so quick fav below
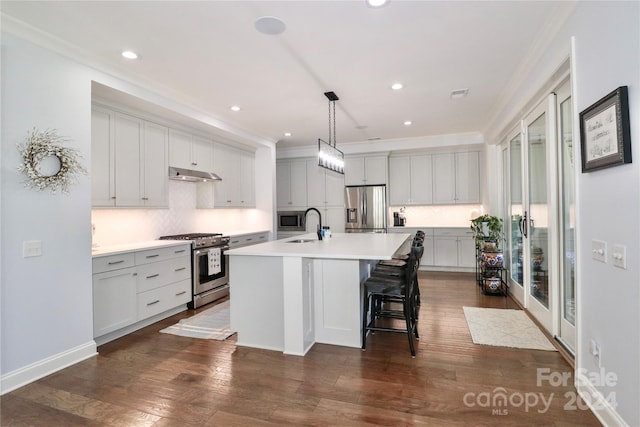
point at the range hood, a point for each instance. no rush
(180, 174)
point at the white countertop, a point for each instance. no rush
(135, 246)
(369, 246)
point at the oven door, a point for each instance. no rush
(206, 274)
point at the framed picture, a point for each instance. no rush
(605, 135)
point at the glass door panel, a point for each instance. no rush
(567, 220)
(538, 210)
(515, 210)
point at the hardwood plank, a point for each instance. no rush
(149, 378)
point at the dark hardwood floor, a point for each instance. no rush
(153, 379)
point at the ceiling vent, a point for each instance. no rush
(459, 93)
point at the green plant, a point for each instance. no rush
(487, 227)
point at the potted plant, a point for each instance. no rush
(487, 228)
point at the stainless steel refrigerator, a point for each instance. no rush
(366, 209)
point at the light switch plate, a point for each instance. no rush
(619, 256)
(599, 250)
(31, 248)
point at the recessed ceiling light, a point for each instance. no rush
(407, 123)
(376, 3)
(234, 108)
(270, 25)
(397, 86)
(129, 54)
(287, 134)
(459, 93)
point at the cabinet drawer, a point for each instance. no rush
(113, 262)
(249, 239)
(161, 254)
(162, 299)
(453, 232)
(157, 274)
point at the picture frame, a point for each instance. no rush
(605, 134)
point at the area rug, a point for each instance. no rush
(211, 324)
(505, 328)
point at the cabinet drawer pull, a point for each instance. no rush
(248, 240)
(180, 251)
(152, 256)
(180, 269)
(145, 198)
(115, 262)
(152, 276)
(194, 164)
(181, 293)
(153, 302)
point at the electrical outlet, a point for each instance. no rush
(619, 256)
(31, 248)
(599, 250)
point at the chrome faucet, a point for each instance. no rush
(319, 221)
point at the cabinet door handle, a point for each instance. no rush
(153, 302)
(115, 262)
(152, 276)
(153, 256)
(180, 251)
(145, 198)
(180, 269)
(194, 164)
(181, 293)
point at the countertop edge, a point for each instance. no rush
(101, 251)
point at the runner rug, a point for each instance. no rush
(211, 324)
(505, 328)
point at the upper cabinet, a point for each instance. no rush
(128, 160)
(325, 188)
(189, 151)
(456, 178)
(411, 180)
(365, 170)
(237, 188)
(291, 183)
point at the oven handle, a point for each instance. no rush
(205, 250)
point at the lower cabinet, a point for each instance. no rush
(135, 286)
(446, 248)
(453, 247)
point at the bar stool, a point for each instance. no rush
(380, 289)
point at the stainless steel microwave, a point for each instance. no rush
(291, 221)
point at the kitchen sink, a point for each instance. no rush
(301, 241)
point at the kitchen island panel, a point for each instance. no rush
(257, 301)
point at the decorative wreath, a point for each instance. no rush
(46, 145)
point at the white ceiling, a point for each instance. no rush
(208, 55)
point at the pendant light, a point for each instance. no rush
(329, 157)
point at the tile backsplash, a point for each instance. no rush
(118, 226)
(438, 215)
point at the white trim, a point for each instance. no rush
(600, 407)
(44, 367)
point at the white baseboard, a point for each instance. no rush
(42, 368)
(600, 406)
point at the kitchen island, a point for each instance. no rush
(288, 294)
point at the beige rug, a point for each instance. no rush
(505, 328)
(211, 324)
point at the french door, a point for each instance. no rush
(540, 214)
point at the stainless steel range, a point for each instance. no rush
(209, 266)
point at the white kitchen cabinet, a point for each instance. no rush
(238, 241)
(129, 160)
(453, 247)
(114, 293)
(325, 188)
(190, 151)
(410, 180)
(134, 286)
(155, 165)
(456, 178)
(103, 184)
(365, 170)
(237, 188)
(291, 183)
